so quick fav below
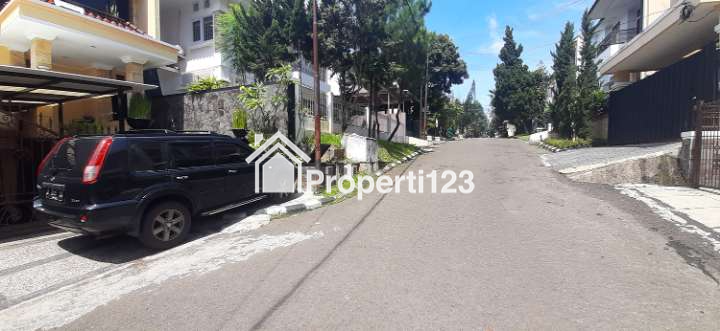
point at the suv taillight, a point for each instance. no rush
(50, 154)
(96, 161)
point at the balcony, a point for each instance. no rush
(80, 35)
(616, 36)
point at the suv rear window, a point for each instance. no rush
(72, 156)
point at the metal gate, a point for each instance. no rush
(23, 145)
(706, 146)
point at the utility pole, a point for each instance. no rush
(316, 72)
(425, 109)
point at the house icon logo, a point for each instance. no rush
(279, 159)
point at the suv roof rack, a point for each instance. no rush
(195, 131)
(146, 131)
(168, 132)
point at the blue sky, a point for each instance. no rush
(477, 27)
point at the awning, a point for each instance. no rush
(20, 85)
(667, 40)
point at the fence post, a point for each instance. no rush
(696, 152)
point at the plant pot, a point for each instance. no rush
(139, 123)
(240, 133)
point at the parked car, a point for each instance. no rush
(148, 183)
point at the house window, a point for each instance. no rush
(208, 28)
(196, 31)
(206, 4)
(196, 6)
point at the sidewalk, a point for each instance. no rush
(693, 210)
(591, 158)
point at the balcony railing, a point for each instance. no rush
(90, 12)
(617, 36)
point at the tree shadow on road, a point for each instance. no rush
(119, 249)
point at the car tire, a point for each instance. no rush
(165, 225)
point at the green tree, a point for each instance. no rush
(590, 97)
(356, 46)
(446, 68)
(409, 40)
(473, 122)
(517, 90)
(255, 36)
(566, 115)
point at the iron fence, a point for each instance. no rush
(706, 146)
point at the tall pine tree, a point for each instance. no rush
(566, 116)
(513, 85)
(591, 97)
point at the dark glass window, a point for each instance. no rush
(208, 28)
(191, 154)
(207, 4)
(230, 153)
(73, 155)
(196, 31)
(147, 156)
(196, 6)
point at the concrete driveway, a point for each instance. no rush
(528, 249)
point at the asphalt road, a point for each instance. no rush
(528, 249)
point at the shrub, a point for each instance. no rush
(140, 107)
(239, 119)
(206, 84)
(325, 139)
(568, 143)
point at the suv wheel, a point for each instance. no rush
(165, 225)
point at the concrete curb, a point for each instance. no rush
(277, 211)
(550, 148)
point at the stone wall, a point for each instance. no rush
(211, 110)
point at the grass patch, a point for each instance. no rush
(568, 143)
(335, 190)
(325, 139)
(523, 137)
(389, 151)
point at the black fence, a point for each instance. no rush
(659, 107)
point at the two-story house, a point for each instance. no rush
(192, 25)
(115, 39)
(658, 57)
(61, 63)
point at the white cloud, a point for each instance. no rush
(538, 13)
(496, 43)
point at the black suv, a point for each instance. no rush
(148, 184)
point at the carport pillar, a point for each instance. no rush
(5, 55)
(61, 126)
(717, 31)
(41, 53)
(134, 72)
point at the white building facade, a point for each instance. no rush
(192, 25)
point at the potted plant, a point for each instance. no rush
(139, 112)
(239, 123)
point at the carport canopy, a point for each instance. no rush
(23, 88)
(20, 85)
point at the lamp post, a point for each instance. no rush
(316, 72)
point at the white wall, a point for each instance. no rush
(202, 59)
